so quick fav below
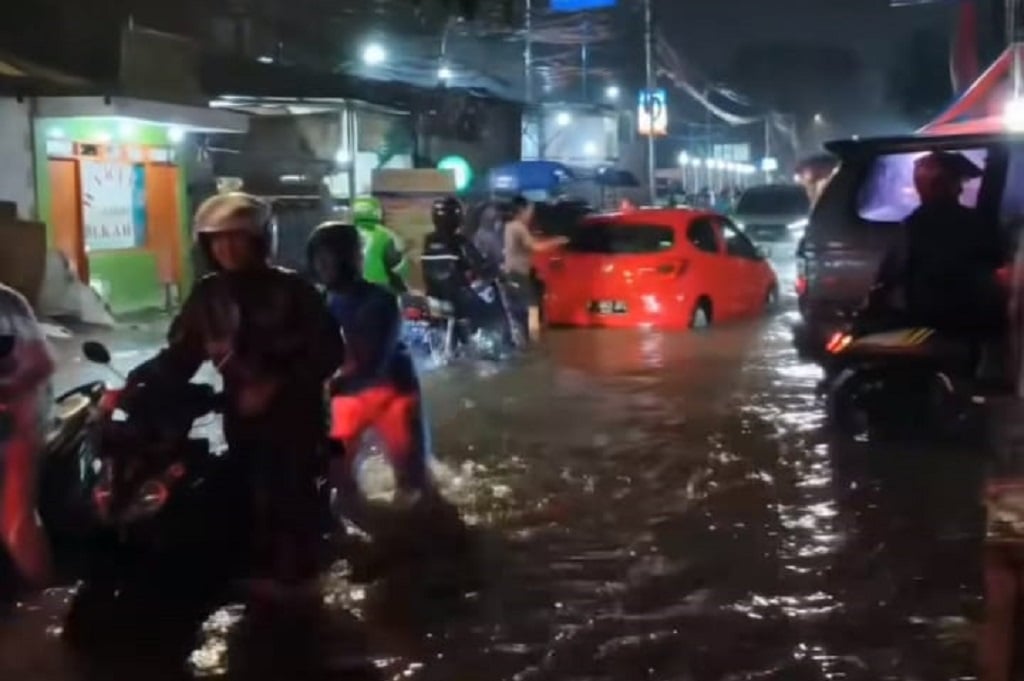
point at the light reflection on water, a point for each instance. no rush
(663, 506)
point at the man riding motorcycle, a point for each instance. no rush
(384, 262)
(452, 264)
(377, 387)
(941, 270)
(25, 369)
(267, 332)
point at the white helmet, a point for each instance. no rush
(236, 211)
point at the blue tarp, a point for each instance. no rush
(529, 176)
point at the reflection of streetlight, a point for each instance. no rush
(1013, 115)
(612, 92)
(374, 54)
(590, 149)
(563, 118)
(684, 158)
(819, 119)
(444, 73)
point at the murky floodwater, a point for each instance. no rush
(643, 506)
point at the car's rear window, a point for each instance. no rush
(774, 201)
(612, 238)
(888, 194)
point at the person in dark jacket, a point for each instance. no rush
(377, 386)
(453, 268)
(267, 332)
(941, 270)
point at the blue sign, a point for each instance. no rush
(580, 5)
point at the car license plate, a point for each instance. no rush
(608, 307)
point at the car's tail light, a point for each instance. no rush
(674, 269)
(801, 285)
(413, 313)
(838, 342)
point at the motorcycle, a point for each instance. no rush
(432, 328)
(899, 380)
(164, 510)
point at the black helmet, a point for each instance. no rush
(333, 253)
(447, 215)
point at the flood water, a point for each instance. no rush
(642, 506)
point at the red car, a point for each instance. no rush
(664, 268)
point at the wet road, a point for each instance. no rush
(645, 506)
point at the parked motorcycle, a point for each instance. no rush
(899, 380)
(433, 330)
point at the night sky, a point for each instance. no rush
(709, 31)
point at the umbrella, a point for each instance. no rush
(616, 177)
(530, 176)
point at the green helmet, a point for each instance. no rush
(367, 210)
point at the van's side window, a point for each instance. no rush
(888, 194)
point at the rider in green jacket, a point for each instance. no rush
(384, 261)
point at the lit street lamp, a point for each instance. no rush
(374, 54)
(612, 92)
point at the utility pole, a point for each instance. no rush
(649, 99)
(533, 110)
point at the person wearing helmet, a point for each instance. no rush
(941, 270)
(377, 386)
(26, 365)
(266, 331)
(384, 262)
(451, 262)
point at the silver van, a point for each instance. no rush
(861, 209)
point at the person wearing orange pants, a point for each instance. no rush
(377, 386)
(396, 416)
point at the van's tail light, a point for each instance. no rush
(801, 269)
(674, 269)
(801, 285)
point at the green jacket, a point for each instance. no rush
(384, 262)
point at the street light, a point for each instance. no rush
(612, 92)
(1013, 115)
(374, 54)
(444, 73)
(564, 118)
(684, 158)
(819, 119)
(590, 149)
